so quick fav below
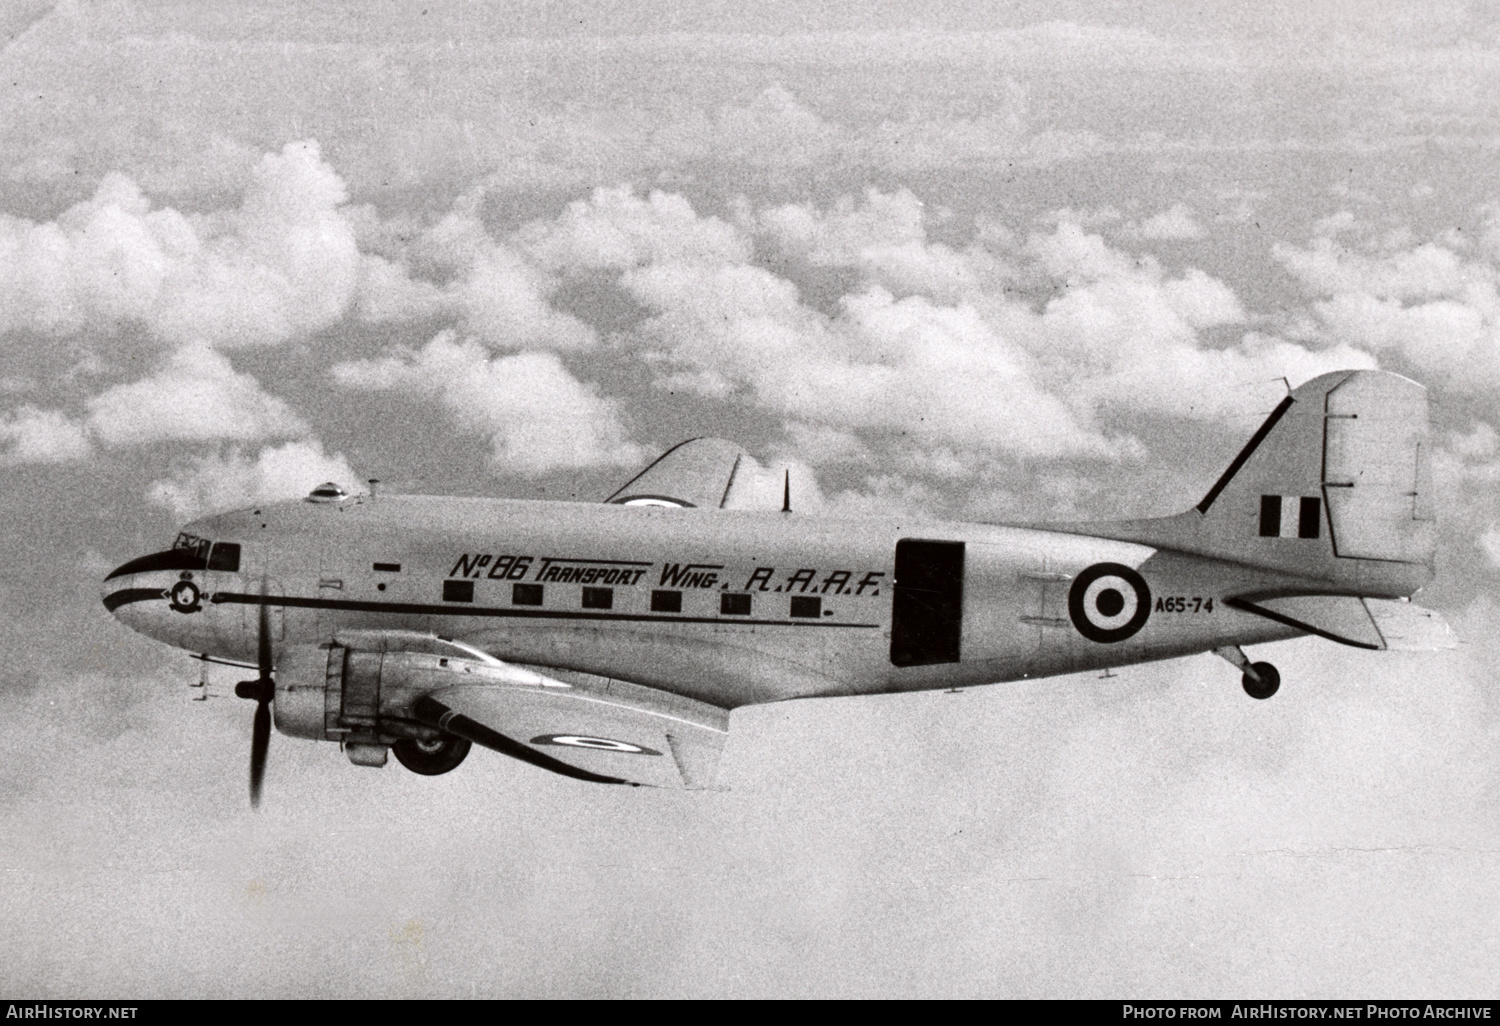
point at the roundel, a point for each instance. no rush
(1109, 602)
(184, 596)
(598, 744)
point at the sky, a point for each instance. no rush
(1055, 261)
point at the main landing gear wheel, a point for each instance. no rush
(431, 758)
(1270, 681)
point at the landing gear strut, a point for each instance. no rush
(431, 758)
(1260, 680)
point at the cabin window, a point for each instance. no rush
(734, 603)
(598, 598)
(458, 591)
(387, 568)
(807, 605)
(666, 602)
(526, 594)
(225, 556)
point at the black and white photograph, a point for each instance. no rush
(804, 499)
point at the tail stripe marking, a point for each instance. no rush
(1245, 454)
(1291, 516)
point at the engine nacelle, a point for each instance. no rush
(363, 696)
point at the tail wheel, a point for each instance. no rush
(431, 758)
(1270, 681)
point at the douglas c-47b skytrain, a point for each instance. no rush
(609, 642)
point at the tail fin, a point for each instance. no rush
(1335, 485)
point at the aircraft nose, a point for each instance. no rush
(129, 583)
(132, 590)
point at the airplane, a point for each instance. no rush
(610, 641)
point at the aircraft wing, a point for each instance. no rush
(576, 724)
(697, 473)
(590, 728)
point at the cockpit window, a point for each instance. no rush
(225, 556)
(193, 544)
(172, 559)
(188, 552)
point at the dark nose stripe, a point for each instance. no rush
(125, 596)
(172, 559)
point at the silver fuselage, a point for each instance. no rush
(768, 606)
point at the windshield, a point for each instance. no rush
(193, 544)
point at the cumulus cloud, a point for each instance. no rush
(882, 236)
(1114, 332)
(996, 347)
(934, 344)
(1426, 272)
(845, 232)
(615, 229)
(196, 396)
(233, 479)
(945, 346)
(824, 444)
(938, 373)
(490, 288)
(537, 416)
(720, 324)
(1176, 223)
(1426, 304)
(1122, 334)
(30, 435)
(281, 265)
(885, 495)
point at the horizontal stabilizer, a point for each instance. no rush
(1410, 628)
(1383, 624)
(1341, 618)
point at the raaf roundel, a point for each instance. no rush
(610, 641)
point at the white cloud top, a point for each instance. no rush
(30, 435)
(1426, 304)
(282, 265)
(536, 415)
(213, 483)
(196, 396)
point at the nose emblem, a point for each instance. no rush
(185, 597)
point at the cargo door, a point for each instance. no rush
(927, 611)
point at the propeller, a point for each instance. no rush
(262, 689)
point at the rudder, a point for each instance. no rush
(1376, 479)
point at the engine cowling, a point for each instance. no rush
(362, 696)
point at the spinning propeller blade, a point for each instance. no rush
(262, 689)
